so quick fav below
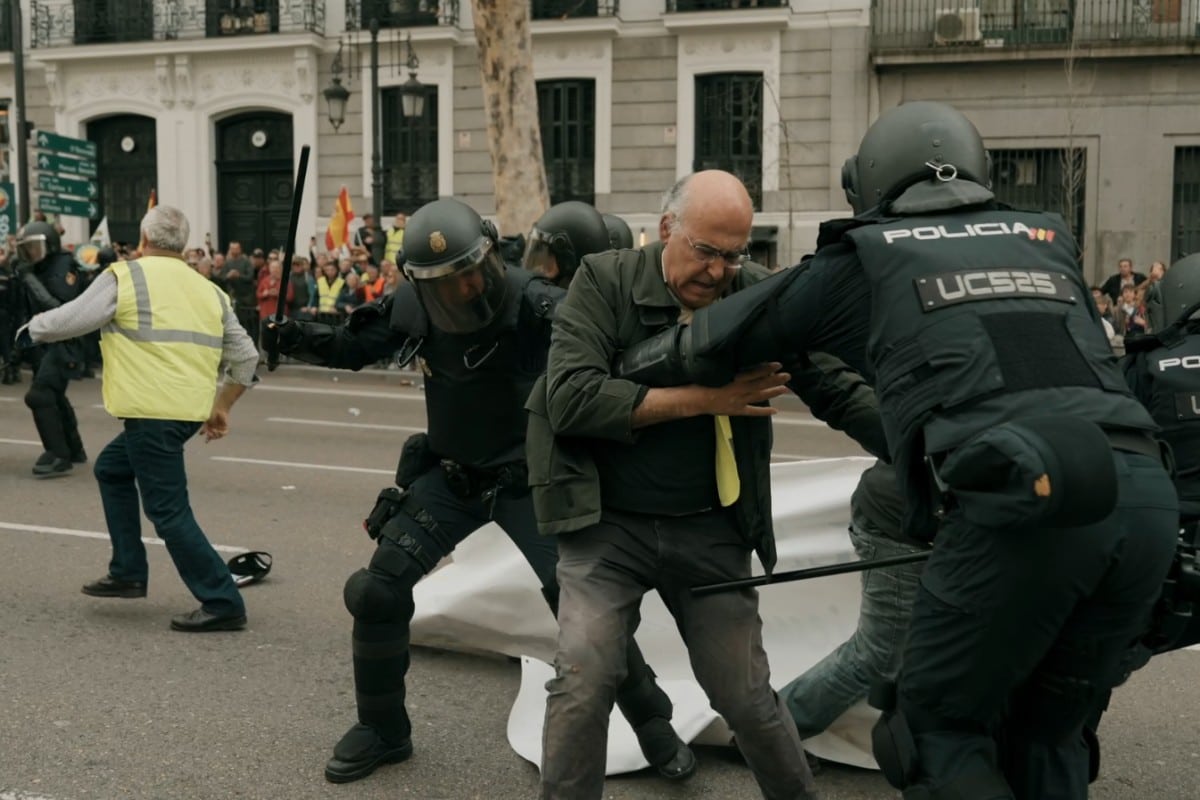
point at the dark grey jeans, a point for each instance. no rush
(603, 571)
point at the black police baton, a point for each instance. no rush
(812, 572)
(280, 315)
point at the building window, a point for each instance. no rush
(567, 114)
(410, 153)
(236, 17)
(6, 39)
(729, 127)
(101, 21)
(400, 13)
(1185, 203)
(1043, 179)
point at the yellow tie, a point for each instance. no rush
(729, 486)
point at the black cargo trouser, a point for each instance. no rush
(1017, 632)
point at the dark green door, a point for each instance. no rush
(254, 180)
(127, 163)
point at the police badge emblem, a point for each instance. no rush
(437, 242)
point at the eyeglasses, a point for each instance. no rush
(707, 254)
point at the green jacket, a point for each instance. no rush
(616, 300)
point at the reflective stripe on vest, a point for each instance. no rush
(162, 348)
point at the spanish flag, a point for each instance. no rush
(338, 233)
(153, 201)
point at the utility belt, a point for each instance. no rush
(468, 482)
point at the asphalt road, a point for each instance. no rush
(99, 699)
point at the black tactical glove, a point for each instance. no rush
(282, 337)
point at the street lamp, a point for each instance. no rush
(412, 104)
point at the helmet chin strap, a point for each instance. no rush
(943, 172)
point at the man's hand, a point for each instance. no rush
(281, 337)
(217, 424)
(738, 397)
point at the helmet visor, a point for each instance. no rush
(32, 249)
(467, 299)
(539, 255)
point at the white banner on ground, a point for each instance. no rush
(488, 600)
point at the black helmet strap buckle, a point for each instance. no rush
(943, 172)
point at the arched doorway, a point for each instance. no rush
(254, 179)
(127, 166)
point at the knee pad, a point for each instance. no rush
(371, 597)
(40, 396)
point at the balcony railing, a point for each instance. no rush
(573, 9)
(57, 23)
(965, 24)
(400, 13)
(722, 5)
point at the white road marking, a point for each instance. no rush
(779, 419)
(341, 392)
(7, 400)
(16, 526)
(303, 465)
(30, 442)
(332, 424)
(15, 795)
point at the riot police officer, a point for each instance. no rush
(620, 237)
(562, 237)
(1006, 420)
(49, 277)
(481, 331)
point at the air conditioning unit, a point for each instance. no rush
(956, 26)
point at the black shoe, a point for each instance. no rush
(665, 751)
(54, 468)
(79, 457)
(360, 752)
(108, 586)
(201, 621)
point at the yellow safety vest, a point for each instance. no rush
(162, 349)
(395, 241)
(327, 294)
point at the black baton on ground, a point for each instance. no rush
(289, 248)
(812, 572)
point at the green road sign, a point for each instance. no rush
(48, 162)
(65, 205)
(57, 143)
(72, 186)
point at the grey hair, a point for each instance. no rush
(674, 201)
(166, 228)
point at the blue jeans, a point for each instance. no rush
(845, 676)
(147, 458)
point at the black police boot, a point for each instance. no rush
(665, 751)
(54, 468)
(71, 431)
(360, 751)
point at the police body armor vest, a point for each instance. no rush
(1170, 390)
(476, 384)
(60, 276)
(982, 317)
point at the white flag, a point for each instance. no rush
(100, 236)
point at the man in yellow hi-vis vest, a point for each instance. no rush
(166, 331)
(395, 238)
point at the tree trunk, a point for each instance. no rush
(510, 105)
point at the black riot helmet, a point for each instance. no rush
(620, 237)
(1180, 287)
(452, 257)
(567, 232)
(37, 241)
(910, 143)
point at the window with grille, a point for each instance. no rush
(410, 152)
(567, 115)
(1043, 179)
(729, 127)
(1185, 203)
(6, 39)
